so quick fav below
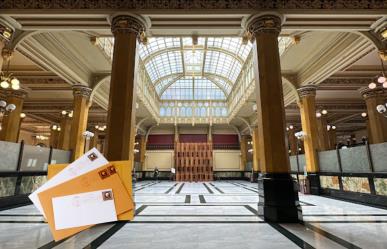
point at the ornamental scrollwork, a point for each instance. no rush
(194, 4)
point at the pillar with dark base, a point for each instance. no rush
(122, 98)
(278, 196)
(307, 105)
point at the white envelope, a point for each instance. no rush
(89, 161)
(84, 209)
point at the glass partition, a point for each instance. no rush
(60, 156)
(379, 157)
(328, 161)
(249, 166)
(355, 160)
(7, 186)
(34, 158)
(301, 160)
(9, 155)
(31, 183)
(293, 163)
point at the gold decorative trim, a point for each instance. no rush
(197, 4)
(81, 90)
(372, 93)
(264, 24)
(21, 94)
(127, 24)
(306, 91)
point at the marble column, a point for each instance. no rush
(243, 152)
(79, 121)
(278, 200)
(292, 140)
(377, 123)
(122, 99)
(255, 140)
(54, 138)
(94, 140)
(142, 151)
(332, 139)
(64, 134)
(2, 45)
(209, 135)
(11, 121)
(307, 105)
(323, 137)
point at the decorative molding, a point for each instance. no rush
(346, 81)
(270, 23)
(368, 93)
(194, 5)
(81, 90)
(6, 53)
(127, 24)
(21, 94)
(334, 106)
(306, 91)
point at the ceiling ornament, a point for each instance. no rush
(306, 91)
(81, 90)
(197, 4)
(270, 23)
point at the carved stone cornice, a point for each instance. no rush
(306, 91)
(6, 53)
(368, 93)
(81, 90)
(21, 94)
(197, 4)
(127, 24)
(346, 81)
(269, 23)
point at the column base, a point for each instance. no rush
(278, 199)
(314, 183)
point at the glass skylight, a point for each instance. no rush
(184, 68)
(193, 88)
(187, 68)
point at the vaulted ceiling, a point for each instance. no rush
(55, 51)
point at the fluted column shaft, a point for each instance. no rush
(323, 137)
(278, 200)
(11, 122)
(256, 153)
(292, 140)
(243, 148)
(307, 107)
(79, 121)
(64, 134)
(377, 123)
(122, 98)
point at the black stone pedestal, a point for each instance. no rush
(278, 199)
(314, 184)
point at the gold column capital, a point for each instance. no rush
(306, 91)
(128, 23)
(368, 93)
(264, 23)
(20, 94)
(81, 90)
(383, 54)
(6, 53)
(6, 32)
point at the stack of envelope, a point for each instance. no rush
(88, 191)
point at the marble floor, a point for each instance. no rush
(220, 214)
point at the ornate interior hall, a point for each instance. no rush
(243, 124)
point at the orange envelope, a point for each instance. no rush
(124, 170)
(105, 177)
